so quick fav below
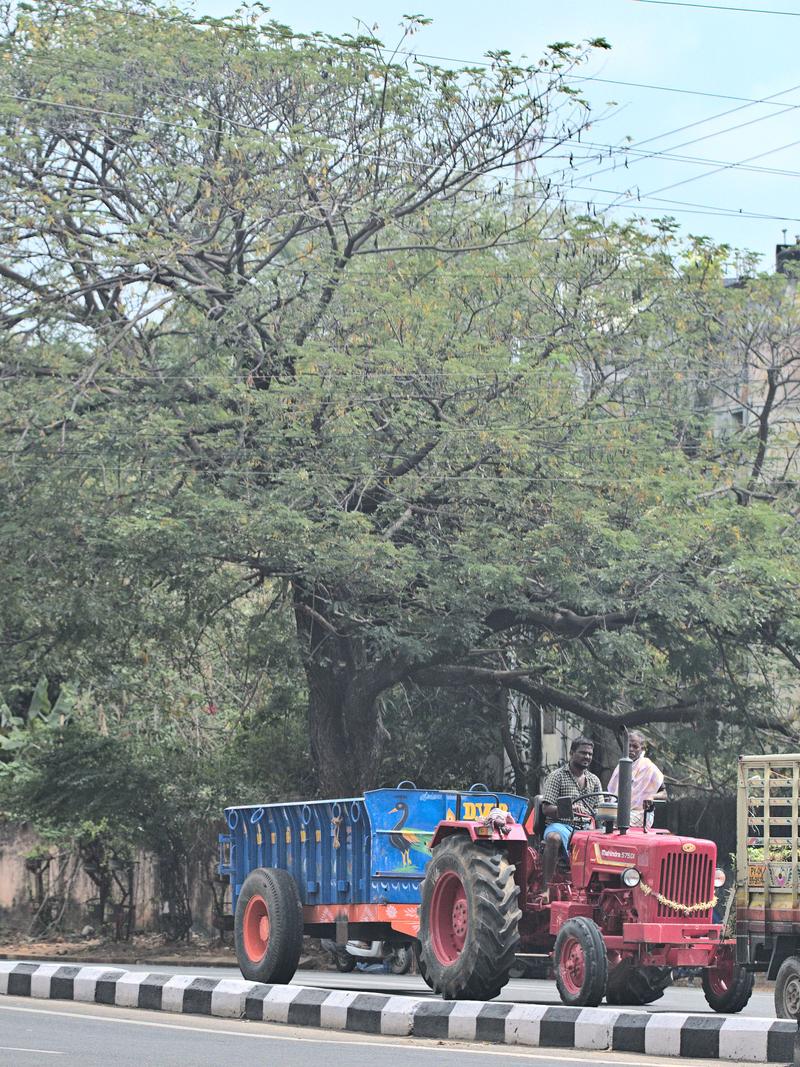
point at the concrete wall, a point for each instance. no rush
(65, 881)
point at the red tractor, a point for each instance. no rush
(631, 905)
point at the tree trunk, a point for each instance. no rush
(345, 730)
(344, 684)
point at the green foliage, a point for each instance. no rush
(308, 414)
(41, 719)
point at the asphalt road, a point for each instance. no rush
(521, 991)
(65, 1034)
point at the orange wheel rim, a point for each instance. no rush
(255, 928)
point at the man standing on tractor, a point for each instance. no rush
(647, 779)
(573, 781)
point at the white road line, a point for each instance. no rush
(345, 1035)
(40, 1051)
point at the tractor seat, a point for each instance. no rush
(534, 820)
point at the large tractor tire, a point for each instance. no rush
(422, 970)
(638, 985)
(728, 987)
(787, 989)
(268, 926)
(580, 962)
(469, 920)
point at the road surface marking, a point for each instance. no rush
(338, 1035)
(42, 1051)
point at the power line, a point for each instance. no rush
(430, 163)
(727, 166)
(699, 209)
(664, 153)
(58, 62)
(490, 62)
(719, 7)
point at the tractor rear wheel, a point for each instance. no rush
(787, 989)
(727, 987)
(638, 985)
(580, 962)
(268, 926)
(469, 920)
(422, 970)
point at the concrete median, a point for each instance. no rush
(742, 1038)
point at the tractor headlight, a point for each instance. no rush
(719, 878)
(631, 877)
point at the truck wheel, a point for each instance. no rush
(728, 986)
(787, 989)
(580, 963)
(639, 986)
(268, 926)
(469, 920)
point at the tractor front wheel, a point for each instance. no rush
(268, 926)
(469, 920)
(580, 962)
(727, 987)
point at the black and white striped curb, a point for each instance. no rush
(662, 1034)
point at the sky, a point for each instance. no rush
(690, 80)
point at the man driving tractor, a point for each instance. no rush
(573, 780)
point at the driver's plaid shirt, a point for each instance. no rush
(561, 784)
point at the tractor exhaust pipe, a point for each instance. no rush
(625, 787)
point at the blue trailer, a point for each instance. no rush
(341, 869)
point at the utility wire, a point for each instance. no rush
(718, 170)
(719, 7)
(427, 164)
(665, 153)
(59, 64)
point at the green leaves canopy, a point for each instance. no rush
(291, 381)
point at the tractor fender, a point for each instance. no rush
(515, 840)
(561, 910)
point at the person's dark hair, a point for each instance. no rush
(576, 744)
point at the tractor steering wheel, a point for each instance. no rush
(586, 796)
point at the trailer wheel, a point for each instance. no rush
(728, 987)
(400, 959)
(787, 989)
(469, 920)
(268, 926)
(344, 962)
(580, 963)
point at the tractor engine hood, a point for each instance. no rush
(677, 873)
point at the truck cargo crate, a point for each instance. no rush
(767, 845)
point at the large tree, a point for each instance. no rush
(278, 345)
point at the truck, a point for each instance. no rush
(458, 875)
(767, 909)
